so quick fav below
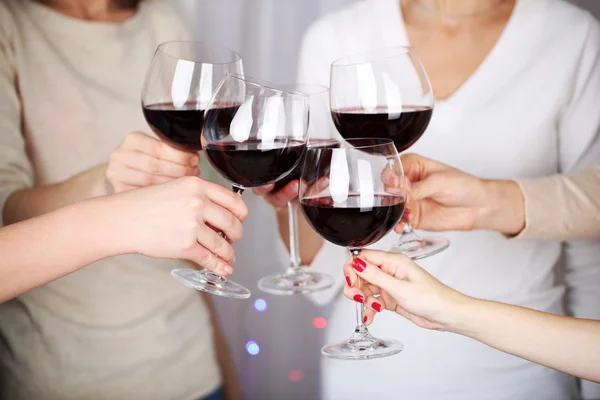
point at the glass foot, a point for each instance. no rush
(362, 347)
(295, 282)
(422, 247)
(210, 282)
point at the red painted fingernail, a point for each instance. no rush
(349, 281)
(365, 320)
(376, 306)
(359, 298)
(359, 265)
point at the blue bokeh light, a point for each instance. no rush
(252, 347)
(260, 305)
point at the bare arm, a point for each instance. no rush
(28, 203)
(40, 250)
(567, 344)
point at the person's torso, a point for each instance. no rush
(122, 327)
(501, 123)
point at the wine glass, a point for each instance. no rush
(386, 93)
(353, 194)
(178, 86)
(298, 280)
(253, 134)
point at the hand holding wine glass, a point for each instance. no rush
(444, 198)
(178, 219)
(401, 286)
(142, 160)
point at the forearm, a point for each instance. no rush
(29, 203)
(310, 242)
(40, 250)
(566, 344)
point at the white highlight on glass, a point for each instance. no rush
(273, 121)
(339, 176)
(241, 124)
(205, 89)
(393, 97)
(182, 82)
(365, 183)
(367, 87)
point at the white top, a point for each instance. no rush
(530, 110)
(122, 328)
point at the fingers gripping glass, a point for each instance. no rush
(178, 87)
(353, 194)
(386, 93)
(298, 279)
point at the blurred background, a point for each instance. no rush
(260, 331)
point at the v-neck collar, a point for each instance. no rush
(501, 63)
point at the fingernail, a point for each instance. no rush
(194, 160)
(228, 269)
(365, 319)
(376, 306)
(359, 298)
(359, 265)
(348, 281)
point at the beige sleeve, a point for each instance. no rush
(562, 207)
(15, 168)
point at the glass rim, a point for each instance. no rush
(161, 48)
(259, 83)
(375, 55)
(354, 143)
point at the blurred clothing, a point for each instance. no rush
(530, 110)
(121, 328)
(562, 207)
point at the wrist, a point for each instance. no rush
(504, 208)
(109, 220)
(460, 315)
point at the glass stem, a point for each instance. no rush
(236, 189)
(360, 329)
(295, 261)
(409, 235)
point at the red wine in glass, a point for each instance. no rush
(179, 126)
(254, 162)
(350, 225)
(403, 126)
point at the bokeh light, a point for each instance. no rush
(319, 323)
(260, 305)
(252, 347)
(295, 376)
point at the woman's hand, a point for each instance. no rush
(180, 220)
(393, 282)
(445, 198)
(278, 199)
(142, 160)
